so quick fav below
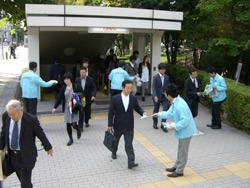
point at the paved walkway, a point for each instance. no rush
(220, 158)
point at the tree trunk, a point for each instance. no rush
(195, 56)
(166, 44)
(233, 24)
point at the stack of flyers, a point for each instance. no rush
(168, 124)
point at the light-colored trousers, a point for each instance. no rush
(144, 87)
(182, 155)
(134, 88)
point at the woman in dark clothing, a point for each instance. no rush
(65, 97)
(113, 63)
(143, 71)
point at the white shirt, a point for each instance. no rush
(12, 123)
(132, 65)
(194, 81)
(162, 79)
(87, 71)
(125, 101)
(137, 61)
(83, 83)
(145, 74)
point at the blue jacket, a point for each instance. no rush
(30, 83)
(117, 76)
(157, 88)
(220, 83)
(184, 121)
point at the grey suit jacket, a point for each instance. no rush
(131, 70)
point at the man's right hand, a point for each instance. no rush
(156, 99)
(53, 111)
(110, 128)
(54, 83)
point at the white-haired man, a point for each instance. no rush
(19, 130)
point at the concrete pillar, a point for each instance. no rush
(139, 41)
(155, 52)
(33, 46)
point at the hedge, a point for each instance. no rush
(237, 105)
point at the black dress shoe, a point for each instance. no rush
(70, 142)
(209, 125)
(79, 134)
(87, 125)
(143, 98)
(174, 175)
(216, 127)
(113, 155)
(165, 130)
(155, 126)
(171, 169)
(132, 166)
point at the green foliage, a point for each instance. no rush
(230, 46)
(237, 104)
(218, 58)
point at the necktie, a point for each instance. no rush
(14, 138)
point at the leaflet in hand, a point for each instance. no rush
(168, 124)
(52, 81)
(210, 92)
(146, 116)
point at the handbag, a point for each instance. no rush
(110, 140)
(6, 165)
(82, 99)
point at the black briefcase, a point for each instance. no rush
(110, 140)
(6, 165)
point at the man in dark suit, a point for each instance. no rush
(85, 63)
(192, 88)
(18, 134)
(86, 85)
(121, 118)
(160, 82)
(56, 73)
(192, 97)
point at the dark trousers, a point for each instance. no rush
(84, 115)
(31, 105)
(216, 121)
(115, 92)
(194, 108)
(128, 138)
(69, 129)
(164, 103)
(23, 175)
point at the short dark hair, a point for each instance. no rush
(211, 70)
(121, 64)
(83, 68)
(57, 60)
(135, 52)
(78, 62)
(162, 66)
(111, 50)
(126, 82)
(85, 60)
(172, 90)
(132, 57)
(192, 69)
(32, 65)
(68, 75)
